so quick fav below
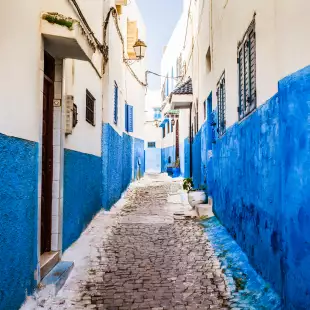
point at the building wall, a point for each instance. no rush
(257, 172)
(19, 136)
(116, 143)
(261, 186)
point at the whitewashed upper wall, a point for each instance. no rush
(85, 137)
(130, 90)
(20, 63)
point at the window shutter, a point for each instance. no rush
(252, 70)
(115, 103)
(221, 102)
(132, 37)
(241, 84)
(247, 76)
(130, 118)
(126, 117)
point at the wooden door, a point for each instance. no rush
(47, 154)
(177, 141)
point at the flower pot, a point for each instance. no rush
(176, 172)
(197, 197)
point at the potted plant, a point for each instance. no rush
(195, 196)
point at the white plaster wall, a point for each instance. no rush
(130, 90)
(85, 137)
(227, 31)
(152, 134)
(292, 28)
(20, 78)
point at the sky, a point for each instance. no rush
(160, 18)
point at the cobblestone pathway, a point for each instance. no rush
(149, 260)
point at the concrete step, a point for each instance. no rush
(204, 210)
(57, 277)
(47, 261)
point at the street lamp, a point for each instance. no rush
(139, 48)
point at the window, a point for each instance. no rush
(128, 118)
(115, 103)
(168, 127)
(171, 126)
(151, 144)
(75, 116)
(157, 113)
(221, 105)
(208, 60)
(90, 108)
(247, 72)
(164, 131)
(204, 110)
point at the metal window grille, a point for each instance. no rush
(90, 108)
(151, 144)
(75, 116)
(221, 104)
(115, 103)
(247, 72)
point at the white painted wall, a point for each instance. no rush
(85, 137)
(20, 64)
(130, 90)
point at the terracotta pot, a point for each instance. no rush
(196, 198)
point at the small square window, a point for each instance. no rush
(151, 144)
(90, 108)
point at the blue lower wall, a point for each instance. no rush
(139, 157)
(165, 154)
(120, 155)
(261, 188)
(82, 188)
(196, 153)
(18, 219)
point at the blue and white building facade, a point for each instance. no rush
(246, 129)
(152, 132)
(57, 103)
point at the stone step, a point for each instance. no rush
(57, 277)
(204, 210)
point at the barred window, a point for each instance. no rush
(151, 144)
(90, 108)
(221, 104)
(247, 72)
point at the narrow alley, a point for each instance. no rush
(146, 253)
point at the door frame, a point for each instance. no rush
(58, 159)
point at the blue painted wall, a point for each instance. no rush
(139, 157)
(82, 187)
(119, 163)
(127, 163)
(295, 182)
(196, 151)
(18, 219)
(165, 154)
(261, 188)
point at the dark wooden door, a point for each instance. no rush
(177, 141)
(47, 154)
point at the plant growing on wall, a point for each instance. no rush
(58, 19)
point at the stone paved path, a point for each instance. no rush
(148, 260)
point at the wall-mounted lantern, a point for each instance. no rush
(140, 48)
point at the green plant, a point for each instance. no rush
(188, 184)
(55, 18)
